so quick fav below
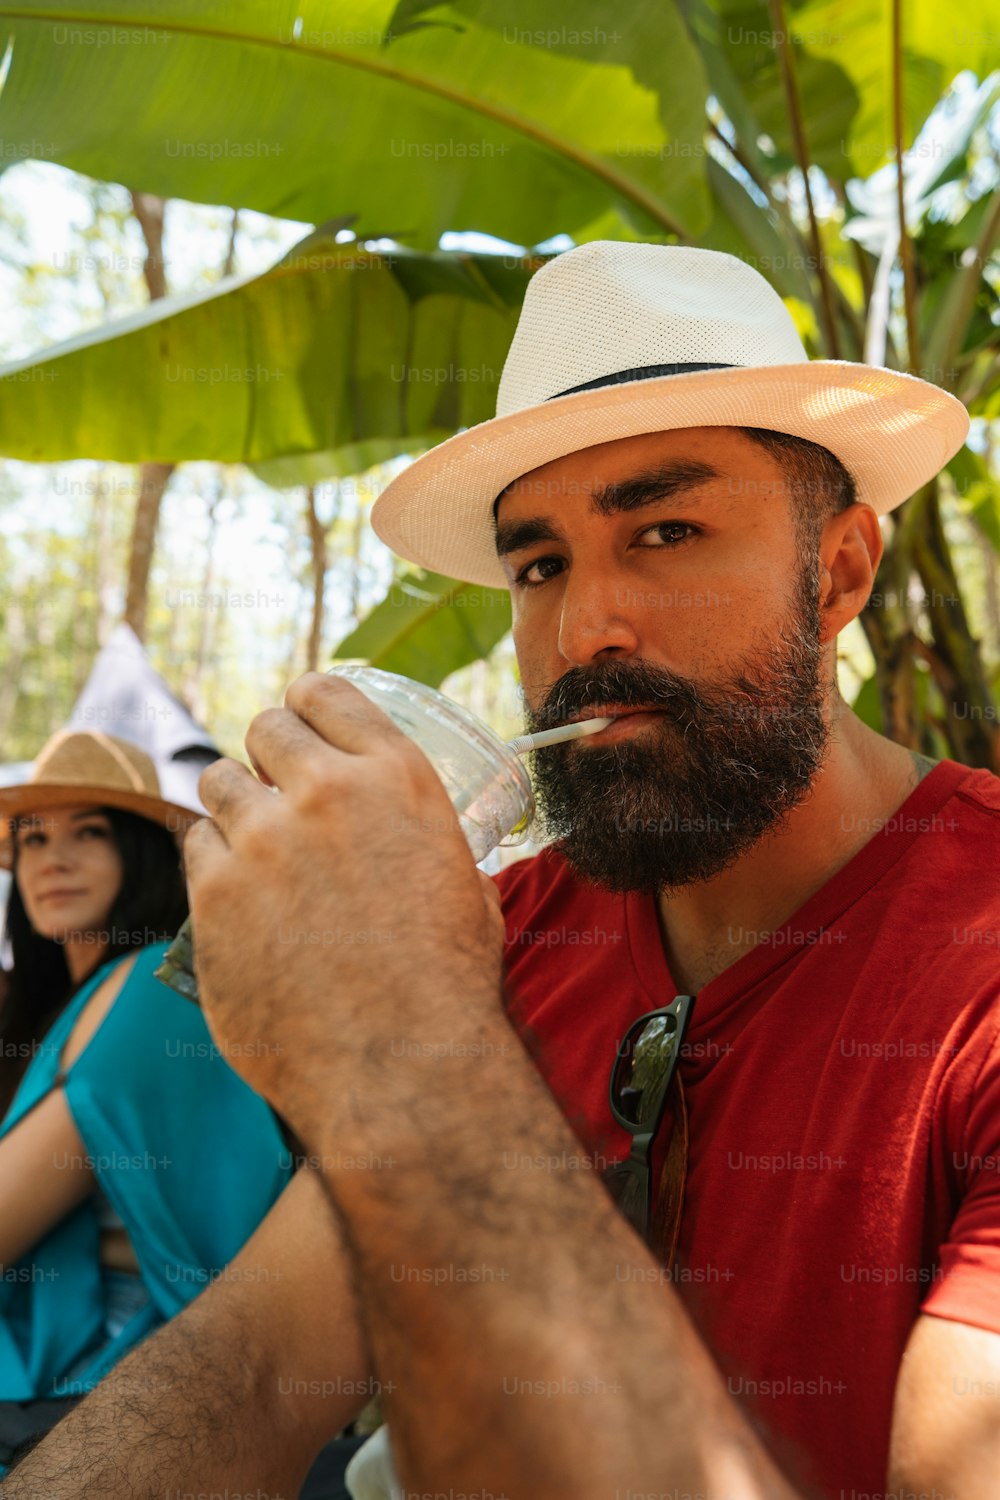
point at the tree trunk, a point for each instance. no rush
(229, 264)
(153, 477)
(318, 566)
(104, 571)
(206, 619)
(16, 645)
(153, 481)
(150, 211)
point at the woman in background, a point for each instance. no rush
(134, 1163)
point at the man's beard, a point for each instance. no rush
(706, 781)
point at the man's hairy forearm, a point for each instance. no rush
(526, 1342)
(175, 1407)
(238, 1393)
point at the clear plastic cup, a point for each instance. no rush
(489, 787)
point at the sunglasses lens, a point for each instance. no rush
(628, 1189)
(643, 1069)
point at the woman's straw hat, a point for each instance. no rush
(615, 340)
(84, 765)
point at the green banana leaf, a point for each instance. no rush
(739, 226)
(744, 33)
(843, 64)
(978, 492)
(939, 42)
(428, 626)
(336, 358)
(518, 119)
(867, 704)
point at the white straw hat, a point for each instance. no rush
(615, 340)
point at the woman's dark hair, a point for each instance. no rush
(150, 906)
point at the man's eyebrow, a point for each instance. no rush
(513, 535)
(673, 481)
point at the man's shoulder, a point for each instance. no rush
(545, 878)
(534, 874)
(959, 805)
(981, 789)
(961, 818)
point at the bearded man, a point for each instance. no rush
(753, 968)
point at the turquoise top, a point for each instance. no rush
(185, 1152)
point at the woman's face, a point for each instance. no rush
(68, 871)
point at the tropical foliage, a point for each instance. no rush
(851, 153)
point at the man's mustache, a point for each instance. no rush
(636, 685)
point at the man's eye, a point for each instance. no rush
(546, 567)
(93, 831)
(31, 840)
(658, 532)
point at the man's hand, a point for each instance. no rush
(335, 921)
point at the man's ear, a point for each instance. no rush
(850, 551)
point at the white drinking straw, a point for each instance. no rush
(522, 743)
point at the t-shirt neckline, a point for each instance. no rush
(805, 926)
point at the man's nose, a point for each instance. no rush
(597, 619)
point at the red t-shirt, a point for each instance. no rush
(843, 1088)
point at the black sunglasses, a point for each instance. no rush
(644, 1066)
